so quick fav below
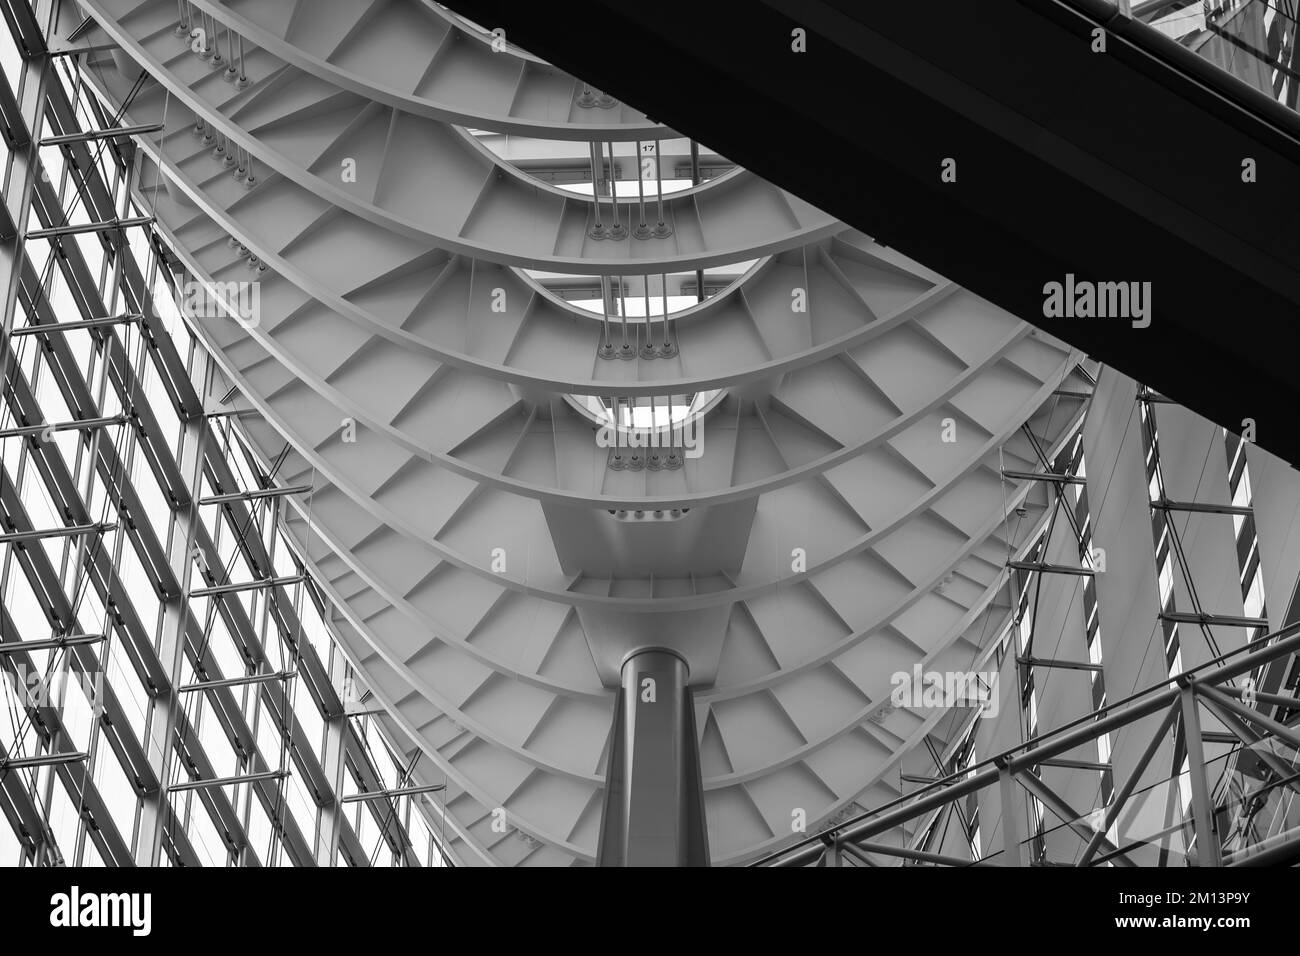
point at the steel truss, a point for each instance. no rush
(1061, 475)
(1260, 721)
(1209, 688)
(1280, 674)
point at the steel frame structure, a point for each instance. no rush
(201, 716)
(1209, 688)
(400, 629)
(147, 559)
(1064, 477)
(1250, 695)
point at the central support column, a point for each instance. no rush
(654, 797)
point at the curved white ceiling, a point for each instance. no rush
(461, 519)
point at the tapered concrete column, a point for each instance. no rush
(654, 799)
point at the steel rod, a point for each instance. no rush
(642, 228)
(41, 760)
(669, 348)
(103, 226)
(1165, 504)
(84, 424)
(613, 192)
(95, 134)
(238, 681)
(248, 586)
(1066, 665)
(1043, 476)
(598, 228)
(1222, 620)
(18, 537)
(648, 347)
(661, 229)
(231, 71)
(1044, 568)
(920, 856)
(1076, 764)
(259, 493)
(106, 321)
(400, 792)
(50, 644)
(1277, 700)
(228, 781)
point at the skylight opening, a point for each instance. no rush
(647, 412)
(636, 297)
(631, 171)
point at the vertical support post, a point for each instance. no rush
(648, 350)
(654, 795)
(33, 77)
(642, 230)
(669, 348)
(1207, 840)
(163, 712)
(598, 230)
(833, 855)
(662, 230)
(617, 230)
(695, 181)
(1013, 849)
(336, 727)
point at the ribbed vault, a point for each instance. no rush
(849, 517)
